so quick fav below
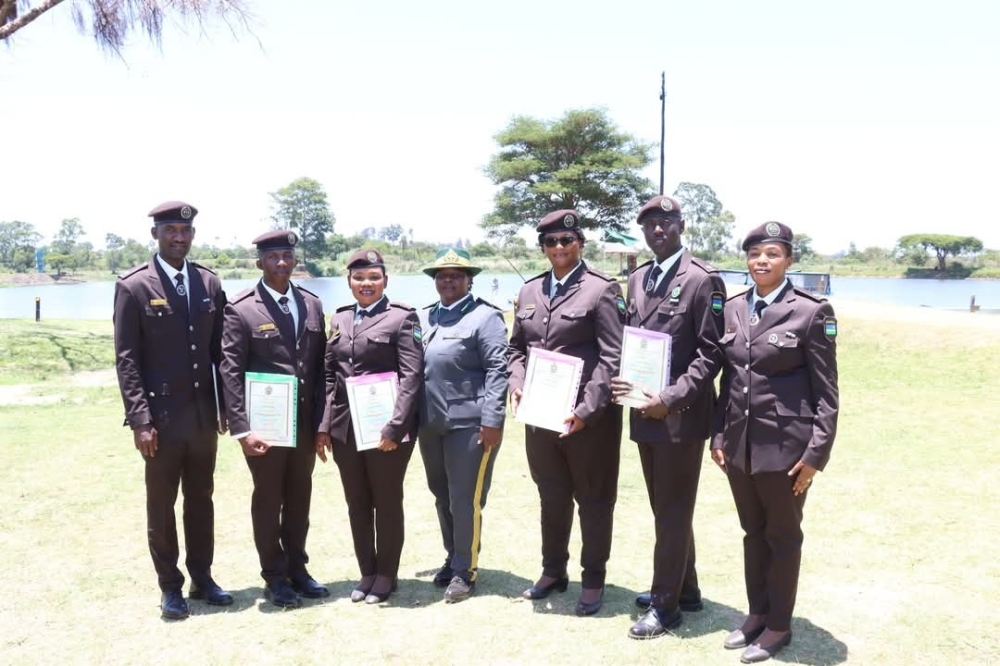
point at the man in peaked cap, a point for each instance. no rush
(277, 327)
(168, 331)
(675, 294)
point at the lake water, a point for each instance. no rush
(93, 300)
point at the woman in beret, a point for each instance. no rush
(775, 424)
(462, 411)
(373, 336)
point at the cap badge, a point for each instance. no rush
(451, 258)
(292, 238)
(772, 229)
(371, 256)
(666, 204)
(186, 213)
(568, 221)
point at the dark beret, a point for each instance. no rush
(173, 211)
(560, 220)
(279, 239)
(661, 206)
(769, 232)
(365, 258)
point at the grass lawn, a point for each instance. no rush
(901, 564)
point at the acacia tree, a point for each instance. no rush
(302, 205)
(110, 22)
(17, 241)
(580, 161)
(941, 245)
(708, 228)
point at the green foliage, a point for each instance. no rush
(802, 248)
(18, 240)
(302, 205)
(70, 232)
(391, 233)
(942, 245)
(708, 228)
(581, 161)
(482, 250)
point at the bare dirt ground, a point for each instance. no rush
(35, 394)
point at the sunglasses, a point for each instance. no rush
(565, 241)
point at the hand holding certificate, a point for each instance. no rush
(271, 401)
(551, 383)
(645, 364)
(372, 399)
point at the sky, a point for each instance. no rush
(855, 121)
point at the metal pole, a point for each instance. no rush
(663, 122)
(38, 308)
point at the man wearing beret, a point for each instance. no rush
(168, 329)
(678, 295)
(278, 328)
(573, 310)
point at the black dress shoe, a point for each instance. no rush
(282, 595)
(307, 587)
(757, 652)
(210, 592)
(687, 604)
(584, 608)
(655, 623)
(444, 575)
(536, 592)
(459, 589)
(379, 597)
(173, 606)
(737, 639)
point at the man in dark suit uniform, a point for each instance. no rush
(678, 295)
(576, 311)
(277, 327)
(168, 327)
(774, 427)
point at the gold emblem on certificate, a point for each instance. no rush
(271, 401)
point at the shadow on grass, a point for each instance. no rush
(813, 645)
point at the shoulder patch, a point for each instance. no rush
(487, 303)
(203, 268)
(241, 296)
(345, 308)
(417, 333)
(620, 304)
(830, 327)
(808, 294)
(718, 302)
(402, 306)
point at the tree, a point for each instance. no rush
(483, 249)
(580, 161)
(16, 238)
(708, 228)
(68, 235)
(369, 233)
(802, 247)
(391, 233)
(110, 22)
(941, 245)
(114, 243)
(302, 205)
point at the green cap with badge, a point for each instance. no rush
(452, 257)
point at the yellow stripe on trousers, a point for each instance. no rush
(477, 512)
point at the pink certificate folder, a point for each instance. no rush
(551, 384)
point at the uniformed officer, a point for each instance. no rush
(462, 411)
(168, 327)
(373, 336)
(678, 295)
(277, 327)
(775, 424)
(578, 311)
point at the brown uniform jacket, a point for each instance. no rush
(586, 322)
(690, 308)
(388, 340)
(778, 398)
(254, 341)
(163, 358)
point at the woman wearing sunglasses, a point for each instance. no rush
(573, 310)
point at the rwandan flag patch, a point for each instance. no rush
(830, 327)
(718, 302)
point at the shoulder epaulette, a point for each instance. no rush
(306, 291)
(808, 294)
(428, 307)
(648, 263)
(487, 303)
(597, 273)
(540, 275)
(402, 306)
(204, 268)
(742, 295)
(345, 308)
(132, 271)
(703, 265)
(242, 296)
